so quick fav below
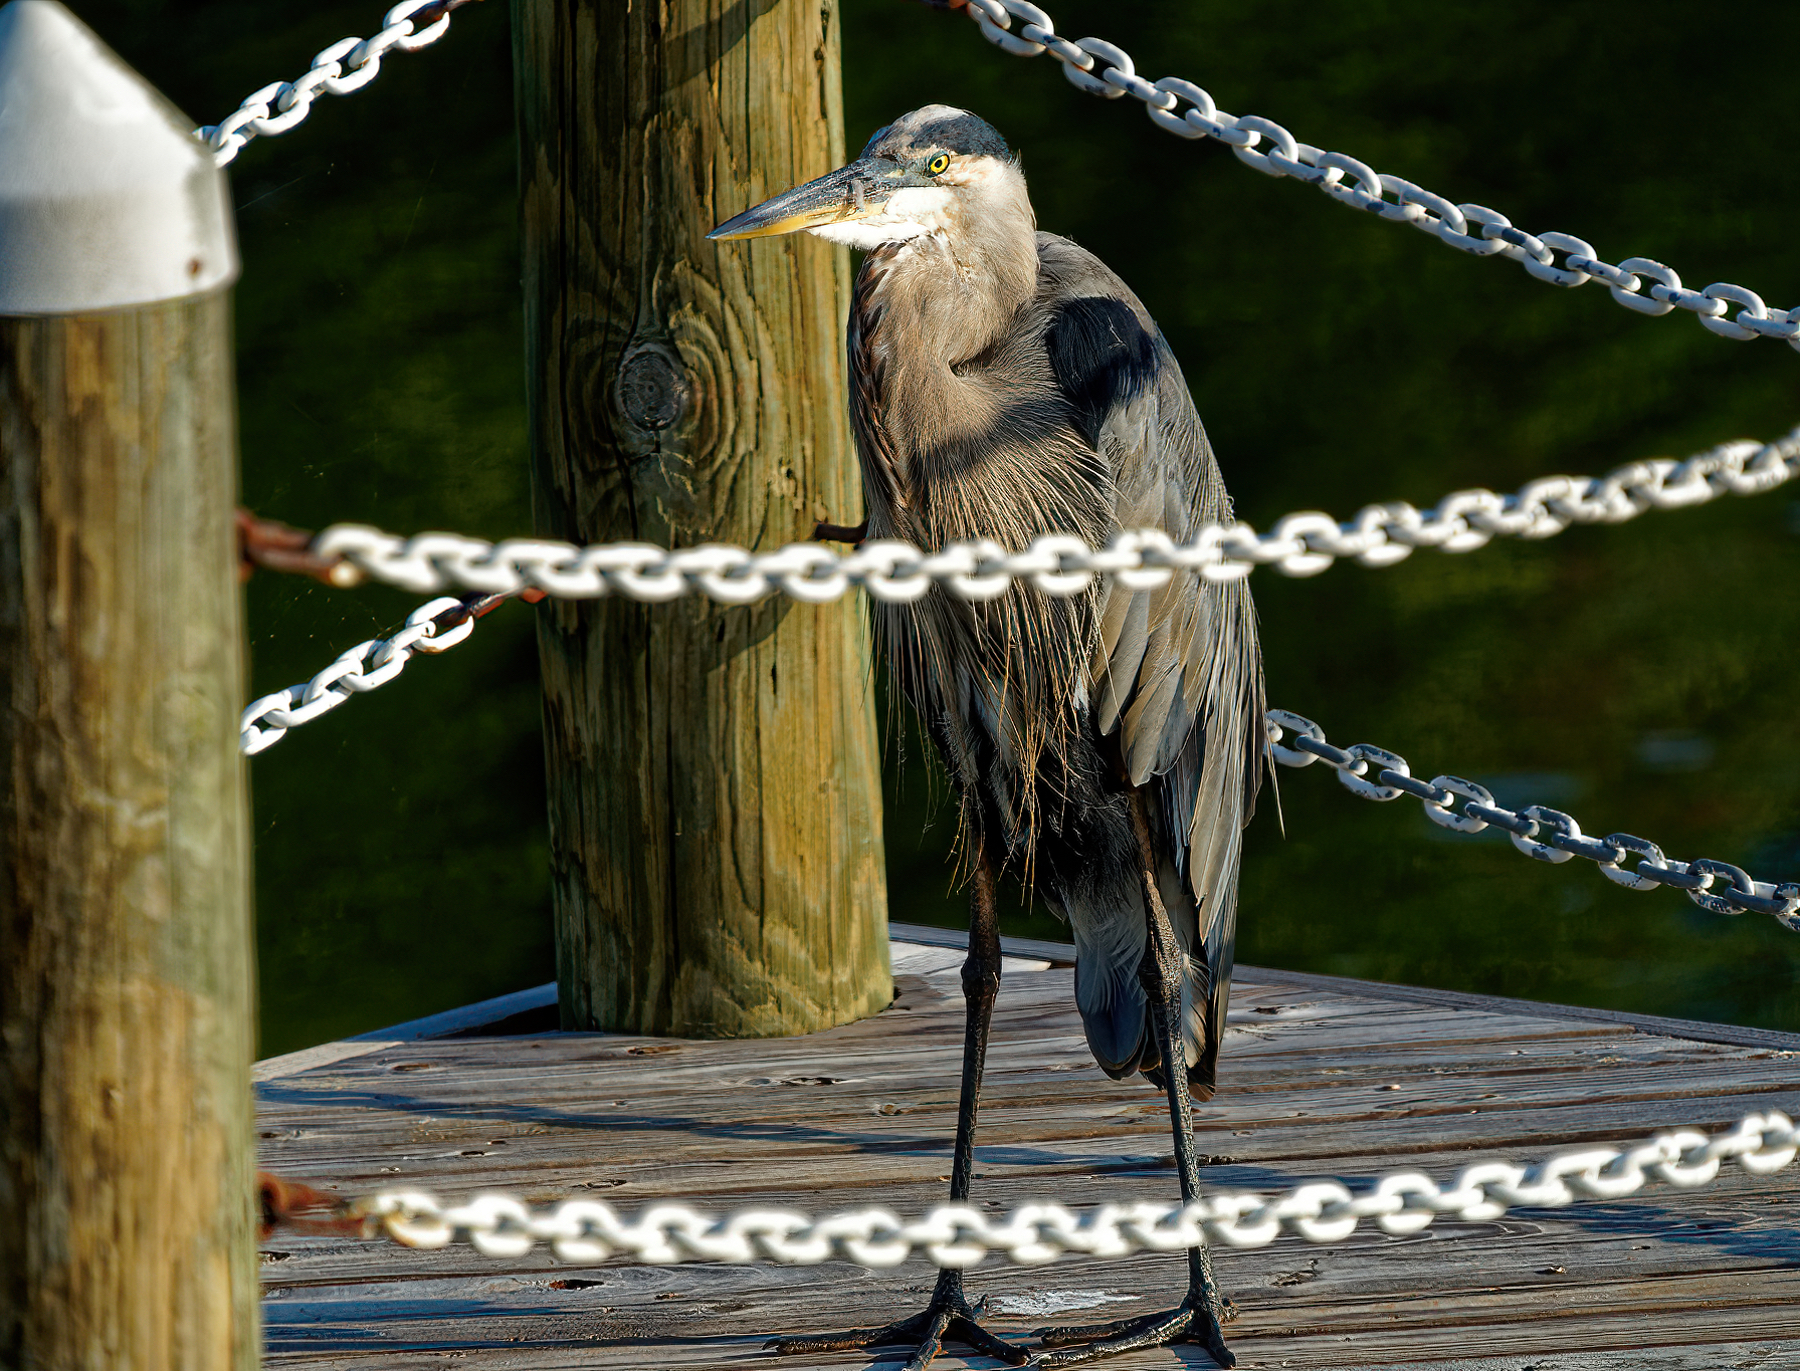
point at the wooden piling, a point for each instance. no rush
(715, 809)
(126, 1224)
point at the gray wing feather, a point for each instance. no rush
(1124, 637)
(1176, 671)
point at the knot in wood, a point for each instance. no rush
(651, 390)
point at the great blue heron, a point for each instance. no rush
(1107, 747)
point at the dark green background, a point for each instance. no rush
(1336, 359)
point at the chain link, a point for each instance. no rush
(1549, 835)
(433, 627)
(1546, 834)
(1301, 544)
(587, 1231)
(1100, 68)
(347, 65)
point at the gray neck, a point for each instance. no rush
(940, 301)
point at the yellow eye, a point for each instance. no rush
(937, 164)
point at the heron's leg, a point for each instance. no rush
(1199, 1316)
(949, 1316)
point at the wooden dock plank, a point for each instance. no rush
(1321, 1077)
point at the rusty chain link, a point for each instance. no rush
(433, 627)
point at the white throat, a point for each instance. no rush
(910, 213)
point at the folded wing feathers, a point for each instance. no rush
(1178, 674)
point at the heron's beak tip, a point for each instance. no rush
(732, 230)
(774, 218)
(831, 199)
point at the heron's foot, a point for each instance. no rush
(1193, 1320)
(948, 1318)
(840, 533)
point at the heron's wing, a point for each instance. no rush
(1176, 674)
(1183, 659)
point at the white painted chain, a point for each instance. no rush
(355, 670)
(587, 1231)
(1301, 544)
(1101, 68)
(1546, 834)
(1549, 835)
(348, 64)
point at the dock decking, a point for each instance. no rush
(1322, 1077)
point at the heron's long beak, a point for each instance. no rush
(851, 192)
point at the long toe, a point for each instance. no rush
(973, 1335)
(1065, 1334)
(902, 1333)
(1214, 1343)
(932, 1343)
(1156, 1331)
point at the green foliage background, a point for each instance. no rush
(1336, 359)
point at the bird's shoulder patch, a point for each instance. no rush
(1102, 357)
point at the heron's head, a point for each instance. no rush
(938, 172)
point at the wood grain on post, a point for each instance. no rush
(715, 805)
(126, 1225)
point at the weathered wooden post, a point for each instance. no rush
(715, 805)
(126, 1226)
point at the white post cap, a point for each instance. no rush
(106, 197)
